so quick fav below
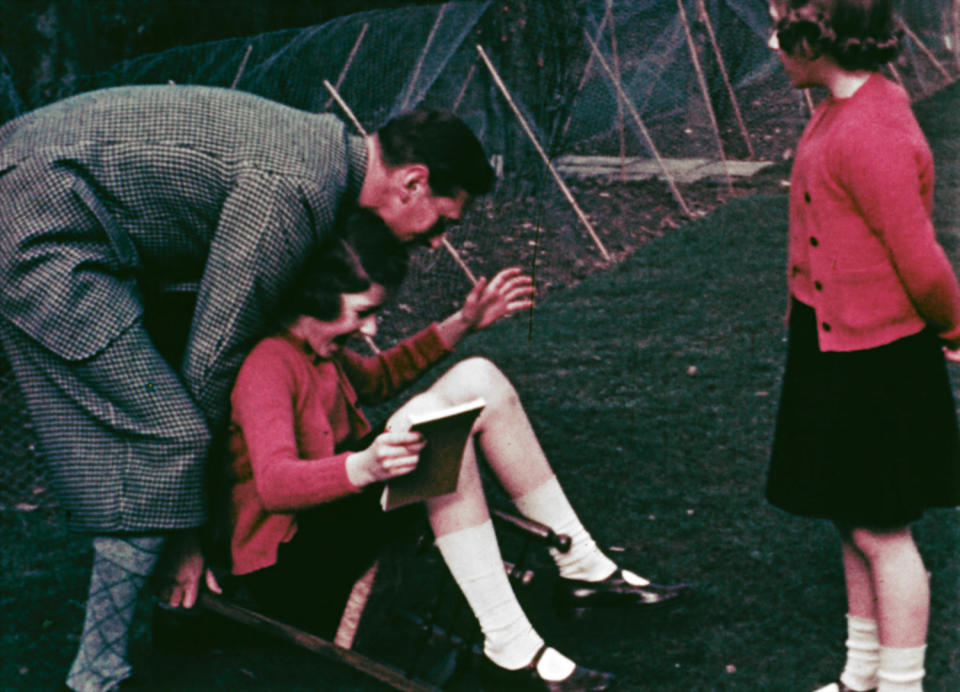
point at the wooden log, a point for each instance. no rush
(364, 664)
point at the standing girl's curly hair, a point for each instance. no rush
(856, 34)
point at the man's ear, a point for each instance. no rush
(414, 179)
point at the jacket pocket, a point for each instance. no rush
(872, 297)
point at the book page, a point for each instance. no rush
(446, 432)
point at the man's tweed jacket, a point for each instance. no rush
(109, 192)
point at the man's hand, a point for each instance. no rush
(952, 352)
(183, 569)
(508, 292)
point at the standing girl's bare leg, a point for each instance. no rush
(902, 591)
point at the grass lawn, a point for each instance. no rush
(653, 386)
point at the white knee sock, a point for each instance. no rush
(901, 670)
(863, 654)
(473, 558)
(549, 505)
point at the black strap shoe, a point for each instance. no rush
(527, 679)
(617, 591)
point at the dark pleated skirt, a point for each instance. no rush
(866, 437)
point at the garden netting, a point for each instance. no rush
(611, 79)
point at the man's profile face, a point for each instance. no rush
(423, 217)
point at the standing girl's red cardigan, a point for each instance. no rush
(293, 416)
(862, 247)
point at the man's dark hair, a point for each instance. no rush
(444, 144)
(363, 252)
(856, 34)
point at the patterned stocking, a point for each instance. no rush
(120, 570)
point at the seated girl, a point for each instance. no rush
(307, 468)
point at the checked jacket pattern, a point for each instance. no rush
(110, 193)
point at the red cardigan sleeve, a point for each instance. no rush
(889, 174)
(380, 377)
(265, 399)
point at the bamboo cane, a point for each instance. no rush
(348, 63)
(708, 24)
(543, 155)
(640, 125)
(808, 99)
(423, 54)
(616, 71)
(344, 107)
(463, 89)
(353, 610)
(926, 51)
(335, 95)
(585, 76)
(243, 66)
(705, 90)
(896, 75)
(956, 32)
(459, 260)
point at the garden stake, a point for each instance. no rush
(463, 89)
(616, 69)
(956, 32)
(926, 51)
(583, 78)
(708, 24)
(695, 58)
(423, 54)
(243, 66)
(543, 155)
(346, 65)
(643, 128)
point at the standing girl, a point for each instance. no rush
(866, 433)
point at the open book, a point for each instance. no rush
(446, 432)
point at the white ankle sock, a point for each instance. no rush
(473, 558)
(554, 665)
(863, 654)
(901, 669)
(549, 505)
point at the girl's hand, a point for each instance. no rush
(508, 292)
(391, 454)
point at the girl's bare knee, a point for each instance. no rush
(872, 542)
(482, 378)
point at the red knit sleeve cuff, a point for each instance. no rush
(346, 485)
(431, 343)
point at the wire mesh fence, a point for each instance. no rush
(628, 80)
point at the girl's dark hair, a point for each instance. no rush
(856, 34)
(363, 252)
(444, 144)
